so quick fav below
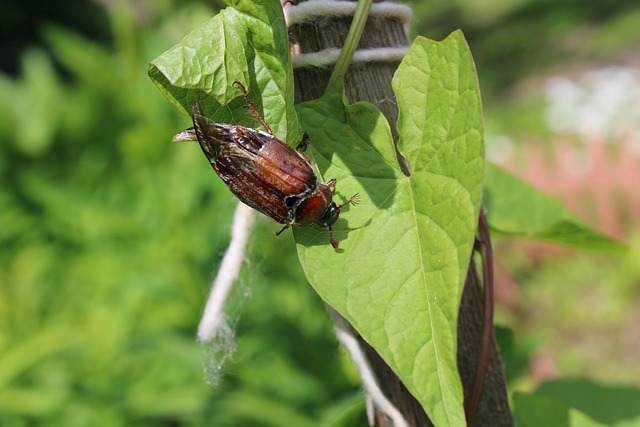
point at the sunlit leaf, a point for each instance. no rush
(247, 42)
(405, 249)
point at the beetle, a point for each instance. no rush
(265, 173)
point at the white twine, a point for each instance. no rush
(213, 318)
(369, 382)
(329, 56)
(314, 9)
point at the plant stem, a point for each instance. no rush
(351, 43)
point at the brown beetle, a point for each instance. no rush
(265, 173)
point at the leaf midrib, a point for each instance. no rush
(426, 288)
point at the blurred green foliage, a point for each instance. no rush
(516, 41)
(525, 37)
(109, 233)
(580, 308)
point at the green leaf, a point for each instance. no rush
(539, 410)
(609, 404)
(405, 249)
(247, 42)
(515, 208)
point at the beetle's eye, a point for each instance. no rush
(330, 215)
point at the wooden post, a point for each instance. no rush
(372, 82)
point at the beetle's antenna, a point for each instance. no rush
(253, 108)
(353, 200)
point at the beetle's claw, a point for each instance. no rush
(241, 86)
(333, 241)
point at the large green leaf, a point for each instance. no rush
(247, 42)
(515, 208)
(405, 249)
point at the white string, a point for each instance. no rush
(313, 9)
(343, 332)
(213, 318)
(329, 56)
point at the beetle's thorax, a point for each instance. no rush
(317, 208)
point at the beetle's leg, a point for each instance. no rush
(304, 142)
(253, 108)
(332, 185)
(333, 241)
(283, 228)
(353, 200)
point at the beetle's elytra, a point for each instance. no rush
(265, 173)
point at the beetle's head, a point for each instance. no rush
(330, 215)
